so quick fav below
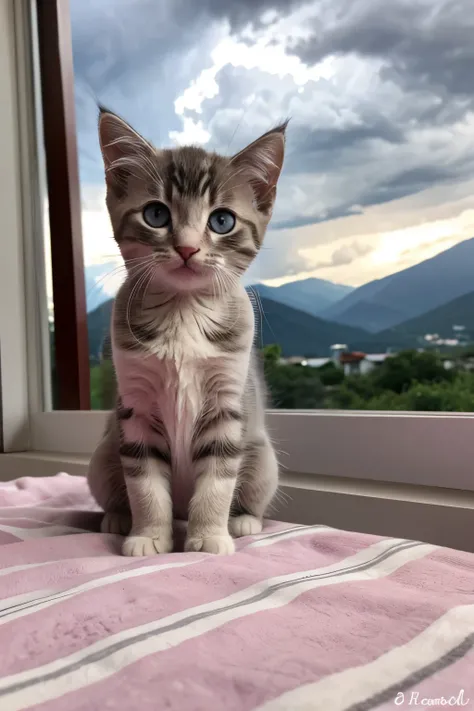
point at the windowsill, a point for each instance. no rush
(440, 516)
(406, 448)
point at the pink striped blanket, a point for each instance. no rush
(299, 618)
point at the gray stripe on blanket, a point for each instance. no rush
(191, 619)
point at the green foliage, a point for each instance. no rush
(291, 386)
(399, 372)
(103, 386)
(271, 355)
(409, 381)
(455, 396)
(465, 353)
(330, 374)
(353, 393)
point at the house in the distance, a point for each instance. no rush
(293, 360)
(317, 362)
(434, 339)
(352, 362)
(358, 363)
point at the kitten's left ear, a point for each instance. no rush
(261, 162)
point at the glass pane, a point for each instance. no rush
(364, 289)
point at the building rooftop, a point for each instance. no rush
(355, 357)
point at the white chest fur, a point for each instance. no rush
(168, 377)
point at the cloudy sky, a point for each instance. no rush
(379, 173)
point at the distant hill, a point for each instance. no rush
(458, 312)
(310, 295)
(297, 332)
(371, 314)
(384, 303)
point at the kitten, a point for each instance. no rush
(188, 436)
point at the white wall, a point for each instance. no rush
(12, 305)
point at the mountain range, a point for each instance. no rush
(390, 313)
(411, 292)
(299, 333)
(313, 296)
(458, 312)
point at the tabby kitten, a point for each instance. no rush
(188, 436)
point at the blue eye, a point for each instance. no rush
(221, 221)
(156, 214)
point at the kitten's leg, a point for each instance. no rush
(118, 522)
(209, 510)
(217, 457)
(107, 484)
(148, 486)
(257, 484)
(147, 474)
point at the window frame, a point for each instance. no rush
(56, 74)
(426, 450)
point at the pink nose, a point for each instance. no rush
(187, 252)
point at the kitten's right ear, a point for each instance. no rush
(261, 163)
(118, 141)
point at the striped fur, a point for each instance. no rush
(188, 436)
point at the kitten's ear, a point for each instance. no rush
(261, 162)
(118, 140)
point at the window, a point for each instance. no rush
(364, 286)
(363, 283)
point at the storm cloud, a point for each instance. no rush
(380, 95)
(425, 44)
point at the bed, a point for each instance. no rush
(301, 617)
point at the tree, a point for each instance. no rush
(330, 374)
(399, 372)
(409, 381)
(103, 386)
(291, 386)
(271, 355)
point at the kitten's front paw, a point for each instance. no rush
(143, 545)
(119, 523)
(245, 525)
(218, 545)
